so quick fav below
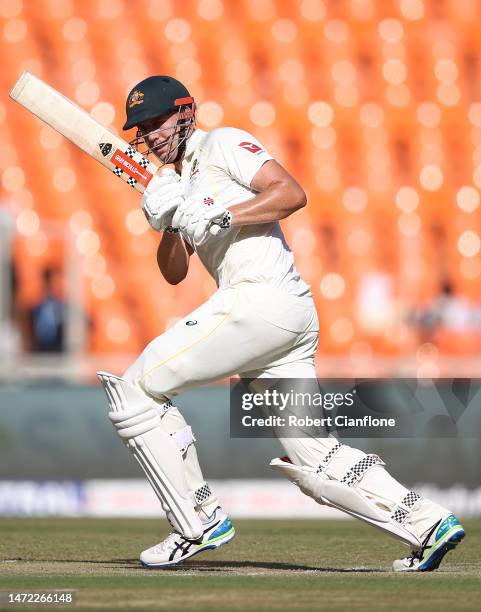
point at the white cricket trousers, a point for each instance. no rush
(252, 329)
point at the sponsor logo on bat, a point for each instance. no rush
(131, 167)
(105, 148)
(137, 97)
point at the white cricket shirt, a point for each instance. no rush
(219, 166)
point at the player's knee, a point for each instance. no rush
(137, 377)
(165, 379)
(158, 381)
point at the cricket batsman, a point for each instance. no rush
(224, 201)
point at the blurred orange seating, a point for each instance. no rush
(374, 107)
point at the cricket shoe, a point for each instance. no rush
(443, 537)
(175, 548)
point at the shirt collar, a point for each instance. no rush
(193, 142)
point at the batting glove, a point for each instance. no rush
(187, 210)
(197, 220)
(161, 199)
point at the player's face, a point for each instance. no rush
(161, 137)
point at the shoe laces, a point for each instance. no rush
(419, 554)
(166, 544)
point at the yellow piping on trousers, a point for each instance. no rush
(187, 348)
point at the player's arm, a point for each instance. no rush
(173, 256)
(279, 195)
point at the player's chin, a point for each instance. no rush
(159, 157)
(164, 158)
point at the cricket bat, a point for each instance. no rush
(84, 131)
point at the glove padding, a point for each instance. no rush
(196, 219)
(164, 194)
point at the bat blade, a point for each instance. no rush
(83, 130)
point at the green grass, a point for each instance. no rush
(270, 565)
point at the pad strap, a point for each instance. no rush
(328, 458)
(357, 471)
(162, 408)
(183, 438)
(402, 511)
(202, 494)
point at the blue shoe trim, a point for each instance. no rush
(222, 535)
(434, 560)
(224, 527)
(448, 523)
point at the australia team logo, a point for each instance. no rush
(137, 97)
